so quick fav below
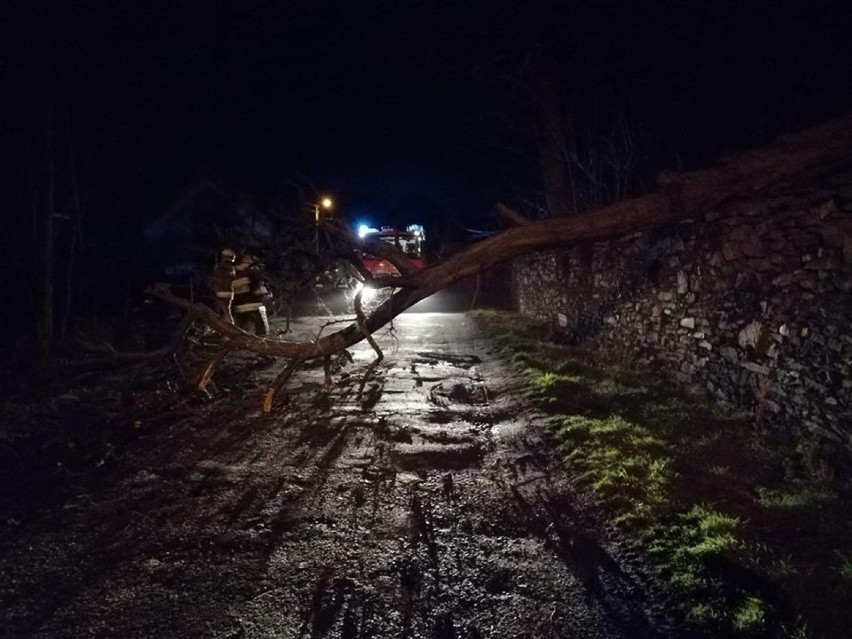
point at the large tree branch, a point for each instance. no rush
(791, 160)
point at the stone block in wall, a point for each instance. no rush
(807, 243)
(785, 279)
(826, 209)
(828, 260)
(754, 367)
(731, 250)
(821, 430)
(842, 282)
(809, 282)
(814, 385)
(837, 235)
(751, 335)
(753, 247)
(721, 284)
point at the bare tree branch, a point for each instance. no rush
(283, 376)
(211, 367)
(511, 215)
(362, 325)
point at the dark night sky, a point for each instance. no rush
(386, 102)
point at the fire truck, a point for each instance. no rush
(409, 241)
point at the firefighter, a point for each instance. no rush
(221, 284)
(250, 294)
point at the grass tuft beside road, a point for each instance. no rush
(748, 526)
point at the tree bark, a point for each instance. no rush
(551, 137)
(46, 332)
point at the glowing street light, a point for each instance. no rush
(325, 203)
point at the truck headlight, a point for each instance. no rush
(368, 293)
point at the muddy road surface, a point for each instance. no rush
(427, 507)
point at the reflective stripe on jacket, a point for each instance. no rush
(250, 292)
(242, 285)
(247, 307)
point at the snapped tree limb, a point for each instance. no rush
(790, 160)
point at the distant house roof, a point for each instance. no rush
(195, 214)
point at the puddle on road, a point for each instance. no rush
(458, 393)
(442, 417)
(444, 436)
(459, 361)
(391, 432)
(509, 430)
(424, 457)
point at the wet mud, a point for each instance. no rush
(429, 506)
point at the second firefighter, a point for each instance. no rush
(250, 294)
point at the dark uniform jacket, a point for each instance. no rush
(221, 281)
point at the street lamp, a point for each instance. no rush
(325, 203)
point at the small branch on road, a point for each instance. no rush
(211, 367)
(328, 382)
(362, 325)
(279, 382)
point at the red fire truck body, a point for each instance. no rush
(409, 241)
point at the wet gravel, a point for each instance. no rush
(427, 507)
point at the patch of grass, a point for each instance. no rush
(799, 630)
(800, 497)
(768, 561)
(621, 461)
(694, 536)
(691, 551)
(750, 615)
(545, 382)
(546, 385)
(811, 458)
(845, 567)
(719, 470)
(549, 388)
(527, 361)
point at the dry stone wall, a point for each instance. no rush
(753, 302)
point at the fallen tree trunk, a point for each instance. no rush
(789, 161)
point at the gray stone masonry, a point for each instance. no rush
(752, 302)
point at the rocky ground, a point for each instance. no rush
(427, 507)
